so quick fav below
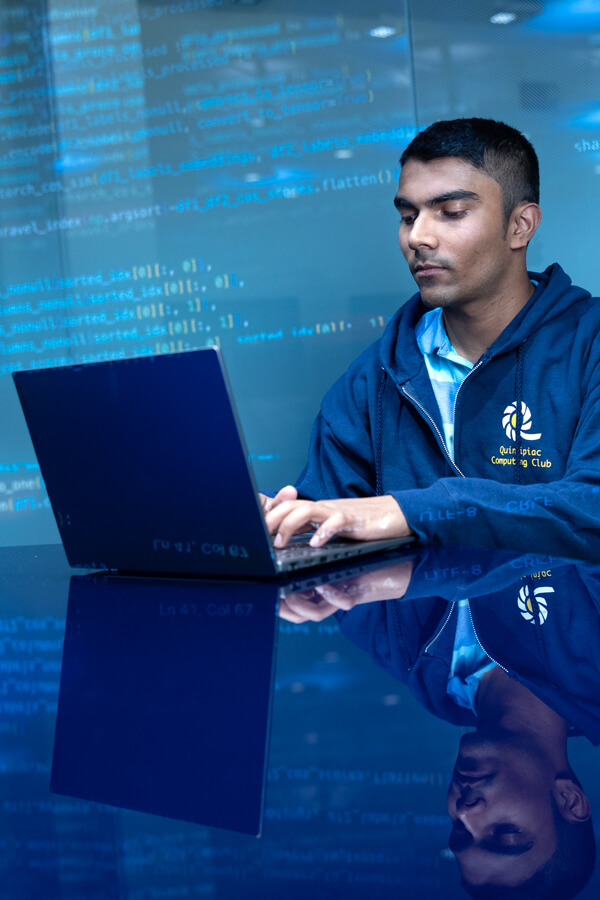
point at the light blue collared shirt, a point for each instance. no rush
(447, 370)
(445, 367)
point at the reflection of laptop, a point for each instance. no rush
(195, 684)
(146, 469)
(165, 697)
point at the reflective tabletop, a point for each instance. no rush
(171, 737)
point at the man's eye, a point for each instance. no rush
(454, 213)
(407, 220)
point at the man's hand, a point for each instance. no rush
(363, 519)
(288, 492)
(324, 600)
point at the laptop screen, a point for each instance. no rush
(145, 465)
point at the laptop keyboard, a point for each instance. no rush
(299, 553)
(299, 547)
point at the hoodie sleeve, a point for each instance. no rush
(561, 517)
(341, 458)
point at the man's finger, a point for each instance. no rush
(279, 514)
(299, 608)
(288, 492)
(296, 518)
(331, 527)
(341, 596)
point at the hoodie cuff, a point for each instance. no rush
(432, 513)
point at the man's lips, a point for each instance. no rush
(426, 269)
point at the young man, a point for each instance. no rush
(473, 420)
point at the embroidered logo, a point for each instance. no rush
(534, 609)
(509, 423)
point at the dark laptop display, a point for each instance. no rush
(146, 469)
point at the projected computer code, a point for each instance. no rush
(204, 111)
(146, 309)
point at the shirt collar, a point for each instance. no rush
(432, 338)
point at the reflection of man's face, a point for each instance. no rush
(500, 802)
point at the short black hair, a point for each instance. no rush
(497, 149)
(564, 875)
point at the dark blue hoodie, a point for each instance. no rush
(532, 396)
(555, 655)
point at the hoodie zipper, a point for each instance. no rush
(434, 426)
(468, 375)
(437, 430)
(445, 622)
(495, 661)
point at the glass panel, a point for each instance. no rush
(537, 71)
(187, 174)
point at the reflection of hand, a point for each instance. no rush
(363, 519)
(268, 503)
(318, 603)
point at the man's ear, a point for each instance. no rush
(523, 224)
(572, 803)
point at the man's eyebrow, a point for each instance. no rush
(404, 203)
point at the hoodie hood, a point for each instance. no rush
(401, 357)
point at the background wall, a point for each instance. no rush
(203, 171)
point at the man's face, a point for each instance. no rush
(453, 232)
(500, 804)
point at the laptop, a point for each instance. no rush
(147, 471)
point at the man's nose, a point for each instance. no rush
(469, 805)
(422, 233)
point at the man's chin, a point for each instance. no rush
(489, 740)
(434, 300)
(476, 758)
(474, 739)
